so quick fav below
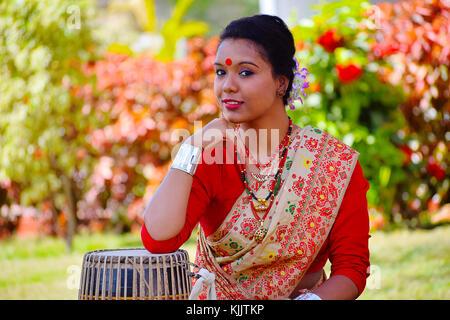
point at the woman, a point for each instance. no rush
(267, 227)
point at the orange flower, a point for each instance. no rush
(38, 154)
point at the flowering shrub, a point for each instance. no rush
(380, 82)
(348, 97)
(43, 44)
(146, 100)
(419, 33)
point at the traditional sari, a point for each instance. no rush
(313, 182)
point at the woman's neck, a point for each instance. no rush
(262, 136)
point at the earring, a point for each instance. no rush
(280, 93)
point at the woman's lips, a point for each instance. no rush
(232, 104)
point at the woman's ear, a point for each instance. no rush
(282, 85)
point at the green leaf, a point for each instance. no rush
(344, 55)
(175, 28)
(120, 48)
(385, 175)
(152, 21)
(193, 28)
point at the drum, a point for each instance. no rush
(132, 274)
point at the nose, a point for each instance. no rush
(229, 84)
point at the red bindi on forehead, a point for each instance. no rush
(228, 62)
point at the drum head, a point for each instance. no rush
(138, 252)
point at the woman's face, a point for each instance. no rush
(244, 85)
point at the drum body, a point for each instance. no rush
(135, 274)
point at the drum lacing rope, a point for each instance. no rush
(204, 277)
(133, 264)
(180, 263)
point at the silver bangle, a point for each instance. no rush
(308, 296)
(187, 158)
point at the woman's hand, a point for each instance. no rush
(213, 133)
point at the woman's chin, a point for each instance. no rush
(233, 118)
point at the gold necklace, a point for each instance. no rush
(261, 177)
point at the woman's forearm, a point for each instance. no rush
(165, 214)
(337, 287)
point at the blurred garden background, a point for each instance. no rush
(91, 92)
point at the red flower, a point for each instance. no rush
(339, 147)
(408, 152)
(332, 168)
(310, 224)
(312, 246)
(302, 250)
(435, 169)
(348, 73)
(281, 232)
(321, 196)
(248, 227)
(333, 191)
(330, 40)
(345, 156)
(343, 175)
(325, 211)
(298, 185)
(311, 144)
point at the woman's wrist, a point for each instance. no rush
(187, 158)
(195, 141)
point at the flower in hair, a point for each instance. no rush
(299, 84)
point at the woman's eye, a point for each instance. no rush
(246, 73)
(220, 72)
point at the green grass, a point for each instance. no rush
(407, 265)
(41, 269)
(410, 265)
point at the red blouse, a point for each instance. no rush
(216, 187)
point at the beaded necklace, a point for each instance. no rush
(264, 204)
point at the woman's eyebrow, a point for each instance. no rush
(242, 62)
(248, 62)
